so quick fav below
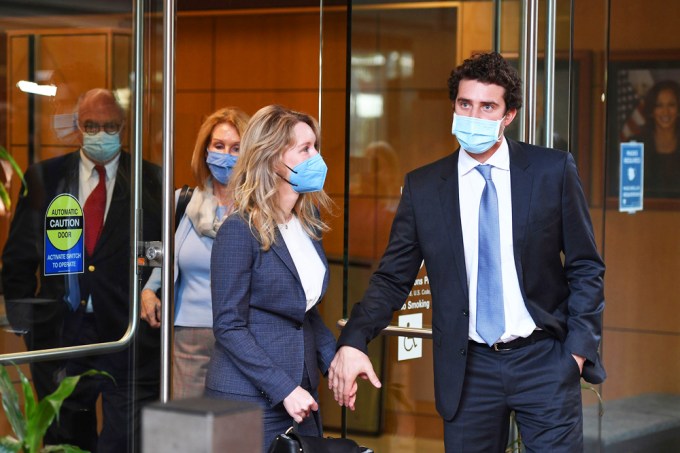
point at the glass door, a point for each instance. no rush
(399, 118)
(642, 322)
(73, 97)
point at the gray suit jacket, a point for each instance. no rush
(559, 268)
(264, 338)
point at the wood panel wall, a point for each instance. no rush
(641, 251)
(250, 60)
(58, 60)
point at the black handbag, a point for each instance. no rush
(184, 199)
(293, 442)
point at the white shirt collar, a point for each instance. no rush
(87, 166)
(500, 159)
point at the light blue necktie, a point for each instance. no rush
(72, 295)
(490, 313)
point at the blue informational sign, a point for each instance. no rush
(64, 238)
(632, 177)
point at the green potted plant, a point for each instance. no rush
(30, 425)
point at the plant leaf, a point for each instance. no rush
(4, 154)
(48, 409)
(4, 197)
(9, 444)
(10, 403)
(63, 448)
(29, 396)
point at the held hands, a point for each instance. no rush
(151, 308)
(299, 404)
(348, 364)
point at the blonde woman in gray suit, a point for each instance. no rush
(268, 274)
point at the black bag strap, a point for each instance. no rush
(323, 444)
(315, 444)
(184, 198)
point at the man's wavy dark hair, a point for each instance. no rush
(489, 68)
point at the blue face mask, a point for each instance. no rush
(101, 147)
(308, 176)
(221, 165)
(476, 135)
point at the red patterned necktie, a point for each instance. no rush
(94, 211)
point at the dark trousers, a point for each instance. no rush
(540, 382)
(121, 400)
(276, 419)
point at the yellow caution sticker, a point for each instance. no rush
(64, 223)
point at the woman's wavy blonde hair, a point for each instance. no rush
(254, 181)
(232, 115)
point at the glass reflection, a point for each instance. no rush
(66, 263)
(399, 120)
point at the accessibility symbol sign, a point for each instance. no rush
(410, 347)
(64, 237)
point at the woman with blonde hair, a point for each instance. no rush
(268, 274)
(215, 154)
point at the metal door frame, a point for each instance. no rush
(135, 227)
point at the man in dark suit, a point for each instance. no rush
(516, 320)
(93, 306)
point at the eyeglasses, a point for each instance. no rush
(92, 128)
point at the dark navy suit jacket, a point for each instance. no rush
(263, 336)
(559, 268)
(106, 278)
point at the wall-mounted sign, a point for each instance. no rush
(415, 313)
(64, 237)
(631, 177)
(410, 347)
(420, 297)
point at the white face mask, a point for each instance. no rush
(476, 135)
(101, 147)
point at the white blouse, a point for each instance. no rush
(307, 261)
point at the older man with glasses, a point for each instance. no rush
(57, 310)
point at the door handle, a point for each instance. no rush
(150, 253)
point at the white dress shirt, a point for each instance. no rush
(518, 321)
(88, 180)
(307, 261)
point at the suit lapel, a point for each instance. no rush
(279, 247)
(521, 182)
(450, 206)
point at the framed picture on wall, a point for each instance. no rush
(643, 96)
